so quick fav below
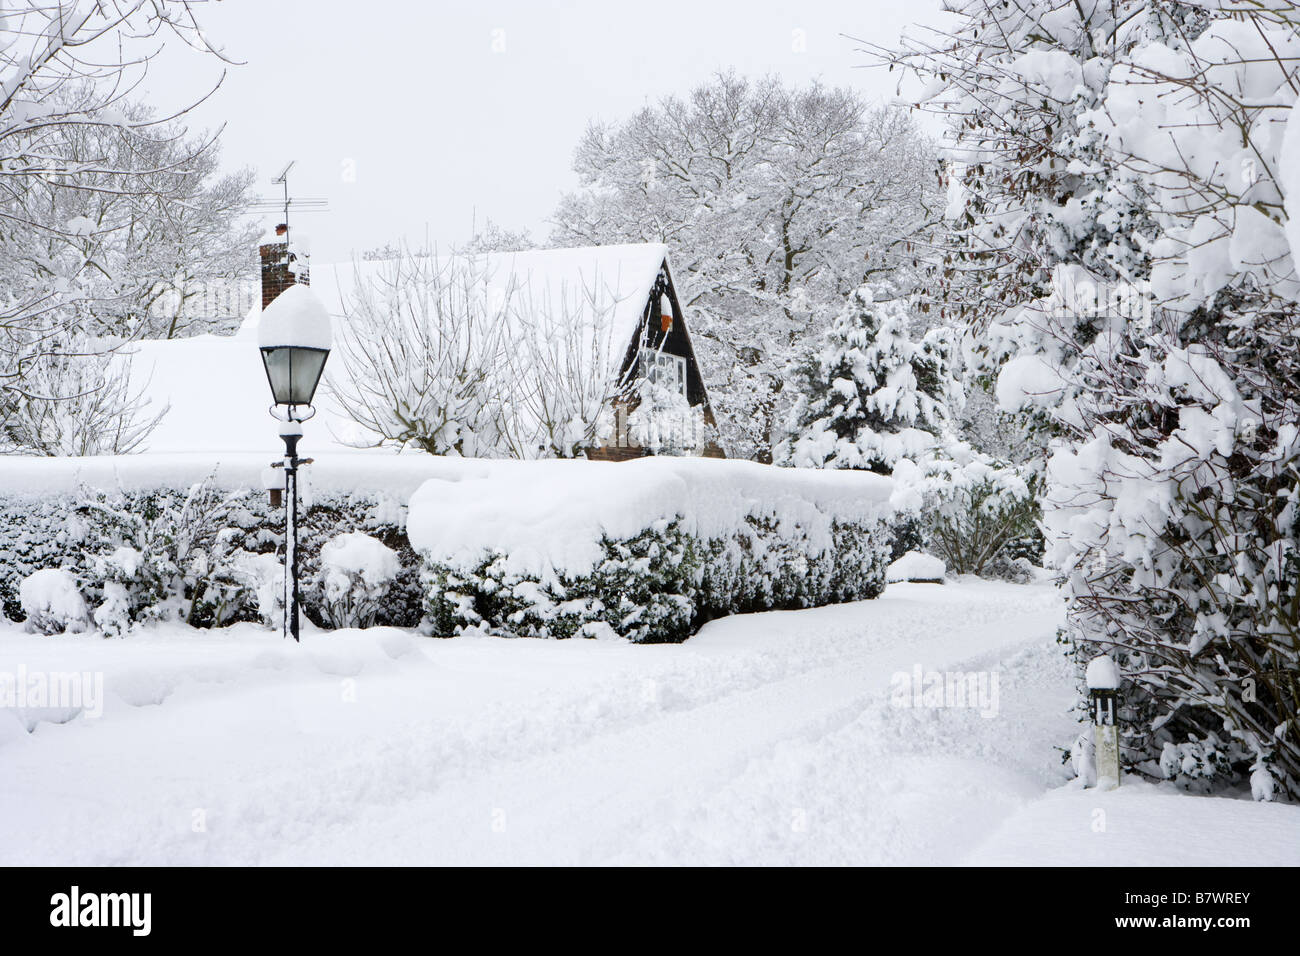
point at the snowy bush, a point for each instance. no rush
(916, 566)
(357, 572)
(1012, 569)
(973, 510)
(194, 552)
(649, 549)
(52, 602)
(263, 575)
(1125, 214)
(129, 592)
(168, 556)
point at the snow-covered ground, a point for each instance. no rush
(767, 738)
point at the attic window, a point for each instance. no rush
(663, 368)
(665, 313)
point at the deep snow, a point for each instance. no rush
(767, 738)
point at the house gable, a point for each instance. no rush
(676, 341)
(649, 334)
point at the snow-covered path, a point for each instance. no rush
(767, 738)
(771, 739)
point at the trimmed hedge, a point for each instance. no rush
(736, 539)
(195, 543)
(661, 585)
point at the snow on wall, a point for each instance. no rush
(550, 516)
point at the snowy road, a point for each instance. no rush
(768, 738)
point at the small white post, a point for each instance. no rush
(1103, 690)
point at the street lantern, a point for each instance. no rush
(294, 337)
(1103, 681)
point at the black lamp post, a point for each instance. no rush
(294, 336)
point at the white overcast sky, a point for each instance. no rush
(440, 111)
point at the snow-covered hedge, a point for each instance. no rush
(647, 549)
(183, 538)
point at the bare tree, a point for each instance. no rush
(68, 67)
(79, 401)
(562, 372)
(454, 358)
(421, 346)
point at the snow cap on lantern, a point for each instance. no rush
(294, 336)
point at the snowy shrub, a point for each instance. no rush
(906, 533)
(200, 554)
(35, 532)
(52, 602)
(916, 566)
(1197, 764)
(649, 549)
(169, 556)
(402, 604)
(1007, 568)
(263, 576)
(641, 588)
(357, 572)
(974, 512)
(131, 590)
(1124, 246)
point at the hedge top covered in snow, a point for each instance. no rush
(348, 472)
(551, 516)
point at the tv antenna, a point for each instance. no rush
(283, 180)
(282, 204)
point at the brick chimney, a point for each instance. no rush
(276, 272)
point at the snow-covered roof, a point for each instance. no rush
(216, 386)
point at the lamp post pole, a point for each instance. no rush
(294, 337)
(291, 431)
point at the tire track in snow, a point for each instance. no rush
(623, 792)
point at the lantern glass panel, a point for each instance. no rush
(294, 373)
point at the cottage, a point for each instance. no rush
(215, 390)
